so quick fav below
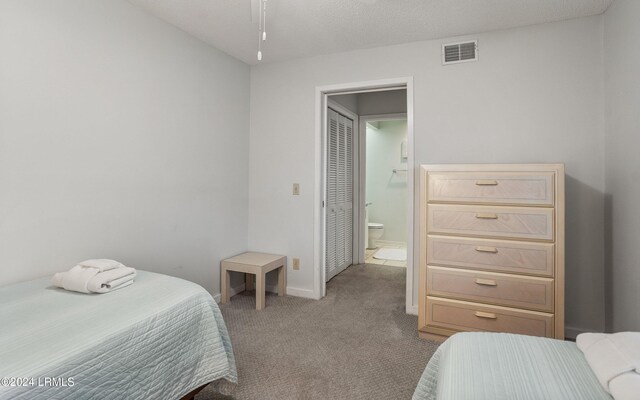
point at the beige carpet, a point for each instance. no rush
(356, 343)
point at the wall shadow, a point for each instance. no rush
(608, 262)
(584, 257)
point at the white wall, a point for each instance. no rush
(385, 102)
(536, 95)
(386, 190)
(373, 103)
(622, 63)
(120, 137)
(348, 101)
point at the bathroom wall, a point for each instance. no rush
(385, 189)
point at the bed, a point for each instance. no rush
(160, 338)
(494, 366)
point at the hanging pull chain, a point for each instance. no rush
(262, 27)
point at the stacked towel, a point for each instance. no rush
(615, 360)
(95, 276)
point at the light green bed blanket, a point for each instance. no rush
(159, 338)
(500, 366)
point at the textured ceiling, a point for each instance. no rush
(301, 28)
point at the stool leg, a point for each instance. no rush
(260, 302)
(225, 282)
(248, 281)
(282, 280)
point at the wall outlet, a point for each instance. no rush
(296, 189)
(296, 263)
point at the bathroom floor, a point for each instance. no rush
(369, 259)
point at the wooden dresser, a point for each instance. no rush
(492, 249)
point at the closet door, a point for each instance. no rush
(339, 207)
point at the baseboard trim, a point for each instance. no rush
(412, 310)
(297, 292)
(291, 291)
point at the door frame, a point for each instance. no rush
(321, 96)
(362, 176)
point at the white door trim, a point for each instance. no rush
(321, 93)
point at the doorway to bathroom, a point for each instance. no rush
(362, 131)
(384, 163)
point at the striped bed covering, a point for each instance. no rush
(159, 338)
(495, 366)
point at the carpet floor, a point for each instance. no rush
(356, 343)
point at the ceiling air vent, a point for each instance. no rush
(454, 53)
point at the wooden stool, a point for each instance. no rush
(251, 264)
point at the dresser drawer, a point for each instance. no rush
(488, 287)
(487, 254)
(467, 316)
(535, 188)
(509, 222)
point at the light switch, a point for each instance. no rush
(296, 263)
(296, 189)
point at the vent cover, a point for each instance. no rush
(454, 53)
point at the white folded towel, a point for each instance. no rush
(615, 360)
(111, 280)
(95, 276)
(102, 264)
(75, 279)
(626, 386)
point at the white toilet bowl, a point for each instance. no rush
(375, 231)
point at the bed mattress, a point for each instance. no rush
(495, 366)
(159, 338)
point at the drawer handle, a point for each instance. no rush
(487, 182)
(486, 282)
(486, 216)
(486, 249)
(486, 315)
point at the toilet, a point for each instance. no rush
(375, 231)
